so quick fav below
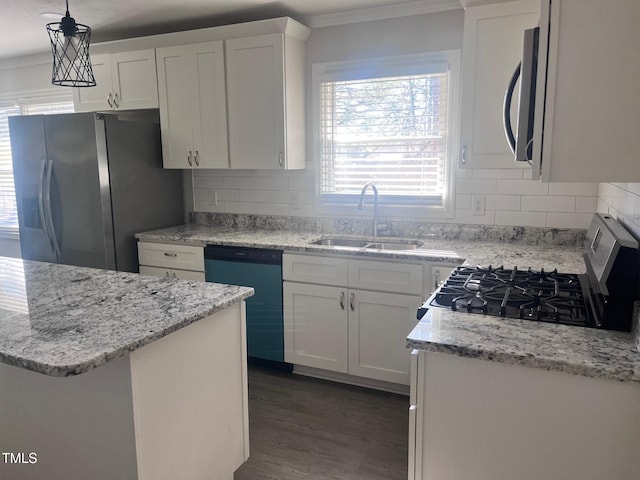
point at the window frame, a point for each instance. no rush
(380, 67)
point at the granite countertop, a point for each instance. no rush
(62, 320)
(564, 258)
(576, 350)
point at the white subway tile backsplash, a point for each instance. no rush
(207, 182)
(531, 219)
(568, 220)
(240, 207)
(227, 195)
(498, 173)
(300, 183)
(463, 201)
(463, 173)
(582, 189)
(272, 183)
(240, 182)
(586, 204)
(262, 196)
(467, 217)
(503, 202)
(477, 186)
(537, 203)
(280, 196)
(273, 209)
(521, 187)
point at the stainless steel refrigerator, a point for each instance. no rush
(86, 183)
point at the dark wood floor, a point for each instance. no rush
(303, 428)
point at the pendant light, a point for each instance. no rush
(70, 48)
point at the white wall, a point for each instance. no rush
(511, 199)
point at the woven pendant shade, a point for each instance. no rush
(70, 48)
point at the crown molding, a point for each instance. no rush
(406, 9)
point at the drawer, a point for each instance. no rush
(172, 273)
(312, 269)
(392, 277)
(181, 257)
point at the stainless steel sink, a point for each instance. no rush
(341, 242)
(393, 245)
(369, 244)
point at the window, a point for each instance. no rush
(8, 211)
(388, 121)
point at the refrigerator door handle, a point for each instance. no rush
(48, 210)
(41, 204)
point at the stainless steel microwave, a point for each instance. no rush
(521, 139)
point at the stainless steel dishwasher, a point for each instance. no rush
(262, 270)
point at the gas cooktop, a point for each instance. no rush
(603, 297)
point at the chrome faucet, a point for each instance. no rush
(375, 204)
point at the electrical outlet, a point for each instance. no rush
(213, 198)
(478, 205)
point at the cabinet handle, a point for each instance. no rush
(280, 158)
(115, 100)
(166, 274)
(189, 159)
(342, 300)
(352, 300)
(196, 158)
(463, 158)
(167, 254)
(173, 274)
(109, 101)
(436, 279)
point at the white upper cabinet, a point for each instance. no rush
(193, 109)
(492, 48)
(589, 130)
(265, 95)
(124, 81)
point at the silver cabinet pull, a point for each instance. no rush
(167, 254)
(196, 158)
(436, 279)
(280, 158)
(173, 274)
(463, 158)
(41, 206)
(166, 274)
(109, 101)
(352, 302)
(341, 300)
(116, 100)
(189, 159)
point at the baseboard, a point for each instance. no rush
(351, 380)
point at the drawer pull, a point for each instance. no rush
(167, 254)
(342, 300)
(352, 300)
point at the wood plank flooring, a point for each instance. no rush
(304, 428)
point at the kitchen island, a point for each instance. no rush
(109, 375)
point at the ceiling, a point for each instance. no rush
(23, 30)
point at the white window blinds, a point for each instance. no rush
(391, 131)
(8, 211)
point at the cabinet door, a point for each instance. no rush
(315, 326)
(378, 327)
(134, 80)
(386, 276)
(209, 105)
(492, 48)
(255, 95)
(93, 99)
(175, 97)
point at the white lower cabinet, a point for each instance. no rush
(485, 420)
(350, 330)
(171, 260)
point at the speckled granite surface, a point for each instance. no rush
(61, 320)
(564, 258)
(395, 228)
(574, 350)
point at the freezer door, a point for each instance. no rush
(29, 171)
(144, 196)
(73, 182)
